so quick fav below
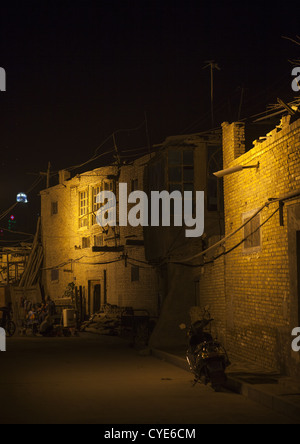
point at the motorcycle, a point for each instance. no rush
(207, 358)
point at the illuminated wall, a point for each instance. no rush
(260, 285)
(70, 231)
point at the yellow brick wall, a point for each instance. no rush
(257, 285)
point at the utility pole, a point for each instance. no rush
(47, 174)
(117, 151)
(212, 65)
(7, 259)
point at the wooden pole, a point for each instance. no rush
(7, 259)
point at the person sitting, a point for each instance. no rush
(46, 327)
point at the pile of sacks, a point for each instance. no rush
(105, 322)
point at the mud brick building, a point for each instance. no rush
(252, 279)
(182, 163)
(107, 265)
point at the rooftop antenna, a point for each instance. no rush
(212, 65)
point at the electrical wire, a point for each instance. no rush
(96, 156)
(74, 167)
(72, 261)
(16, 232)
(226, 238)
(139, 266)
(15, 241)
(228, 251)
(289, 196)
(139, 262)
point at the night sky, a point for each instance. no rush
(79, 70)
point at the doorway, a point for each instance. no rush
(95, 297)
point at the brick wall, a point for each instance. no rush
(212, 291)
(259, 301)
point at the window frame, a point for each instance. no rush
(54, 208)
(179, 185)
(98, 240)
(95, 206)
(83, 216)
(253, 227)
(88, 242)
(135, 273)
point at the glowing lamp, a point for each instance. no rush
(22, 197)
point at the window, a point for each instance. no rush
(86, 242)
(181, 170)
(252, 233)
(54, 208)
(109, 186)
(214, 185)
(98, 240)
(55, 275)
(96, 206)
(83, 209)
(135, 274)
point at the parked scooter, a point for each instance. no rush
(207, 357)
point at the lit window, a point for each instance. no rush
(83, 209)
(96, 206)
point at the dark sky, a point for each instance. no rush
(79, 70)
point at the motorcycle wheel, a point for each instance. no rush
(217, 381)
